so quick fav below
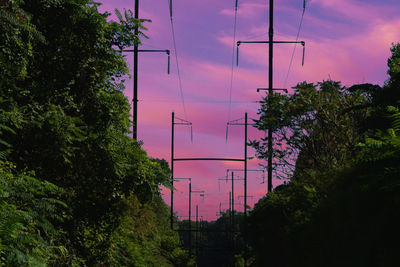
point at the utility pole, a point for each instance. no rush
(173, 123)
(228, 232)
(191, 159)
(233, 205)
(135, 79)
(233, 215)
(190, 220)
(135, 75)
(230, 211)
(271, 43)
(197, 229)
(190, 191)
(172, 169)
(245, 124)
(173, 159)
(189, 206)
(245, 166)
(136, 52)
(270, 91)
(245, 190)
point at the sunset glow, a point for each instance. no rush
(346, 40)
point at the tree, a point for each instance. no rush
(341, 204)
(316, 128)
(391, 94)
(145, 238)
(61, 86)
(357, 222)
(28, 209)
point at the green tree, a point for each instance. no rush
(341, 205)
(61, 86)
(28, 210)
(315, 129)
(357, 223)
(145, 238)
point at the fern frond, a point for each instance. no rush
(374, 142)
(6, 129)
(395, 117)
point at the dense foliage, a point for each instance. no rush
(145, 238)
(317, 126)
(69, 173)
(75, 190)
(341, 206)
(27, 209)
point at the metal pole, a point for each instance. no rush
(230, 215)
(201, 230)
(245, 165)
(190, 221)
(172, 169)
(230, 206)
(245, 189)
(197, 228)
(233, 214)
(270, 89)
(135, 76)
(233, 199)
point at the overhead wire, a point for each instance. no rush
(176, 59)
(233, 60)
(151, 46)
(257, 35)
(222, 102)
(295, 45)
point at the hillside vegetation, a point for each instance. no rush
(75, 189)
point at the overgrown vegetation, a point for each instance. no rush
(341, 206)
(75, 189)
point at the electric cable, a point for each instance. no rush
(295, 45)
(151, 46)
(233, 61)
(177, 61)
(217, 102)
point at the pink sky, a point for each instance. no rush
(347, 40)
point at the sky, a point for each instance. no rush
(346, 40)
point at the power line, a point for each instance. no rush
(176, 59)
(222, 102)
(150, 45)
(233, 60)
(257, 35)
(295, 45)
(270, 88)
